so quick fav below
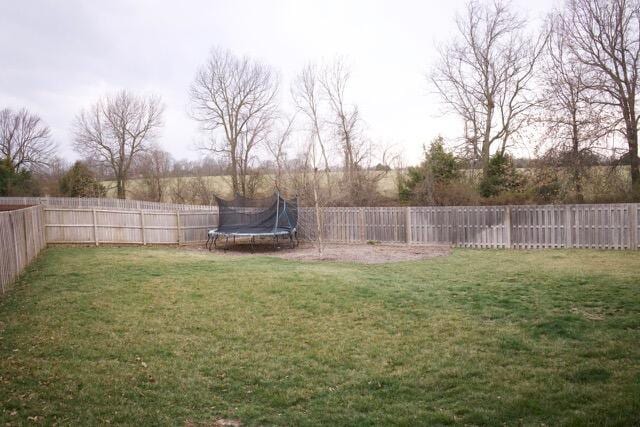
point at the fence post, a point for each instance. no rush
(178, 223)
(633, 226)
(568, 243)
(507, 225)
(24, 231)
(15, 242)
(43, 227)
(407, 224)
(144, 237)
(95, 226)
(361, 225)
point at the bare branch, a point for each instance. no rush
(116, 129)
(234, 99)
(604, 36)
(25, 140)
(484, 75)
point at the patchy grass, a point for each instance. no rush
(128, 335)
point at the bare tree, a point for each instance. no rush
(484, 75)
(50, 175)
(345, 121)
(309, 92)
(25, 140)
(308, 97)
(195, 190)
(116, 129)
(312, 161)
(334, 125)
(572, 121)
(605, 37)
(235, 99)
(154, 165)
(277, 146)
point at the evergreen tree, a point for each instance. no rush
(80, 182)
(425, 183)
(17, 183)
(501, 176)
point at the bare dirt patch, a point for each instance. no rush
(13, 207)
(220, 422)
(360, 253)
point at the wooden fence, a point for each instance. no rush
(21, 240)
(97, 225)
(612, 226)
(107, 203)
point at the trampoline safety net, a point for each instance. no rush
(257, 216)
(264, 217)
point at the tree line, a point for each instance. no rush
(566, 91)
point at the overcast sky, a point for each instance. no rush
(60, 56)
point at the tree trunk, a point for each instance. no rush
(575, 155)
(632, 139)
(316, 202)
(234, 175)
(486, 156)
(120, 186)
(486, 143)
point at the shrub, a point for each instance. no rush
(80, 182)
(546, 185)
(501, 176)
(17, 183)
(429, 182)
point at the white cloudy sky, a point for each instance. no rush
(59, 56)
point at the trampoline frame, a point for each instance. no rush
(214, 235)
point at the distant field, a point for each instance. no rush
(599, 182)
(221, 185)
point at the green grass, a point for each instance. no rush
(159, 336)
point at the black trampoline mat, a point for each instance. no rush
(248, 232)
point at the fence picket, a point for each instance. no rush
(21, 243)
(612, 226)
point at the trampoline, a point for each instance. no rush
(271, 217)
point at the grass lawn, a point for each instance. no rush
(161, 336)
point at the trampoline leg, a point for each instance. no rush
(226, 243)
(215, 239)
(206, 245)
(253, 240)
(275, 241)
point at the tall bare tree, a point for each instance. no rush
(116, 129)
(277, 146)
(312, 161)
(308, 96)
(573, 123)
(25, 140)
(345, 120)
(307, 93)
(604, 35)
(484, 75)
(235, 99)
(154, 165)
(334, 126)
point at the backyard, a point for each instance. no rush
(181, 337)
